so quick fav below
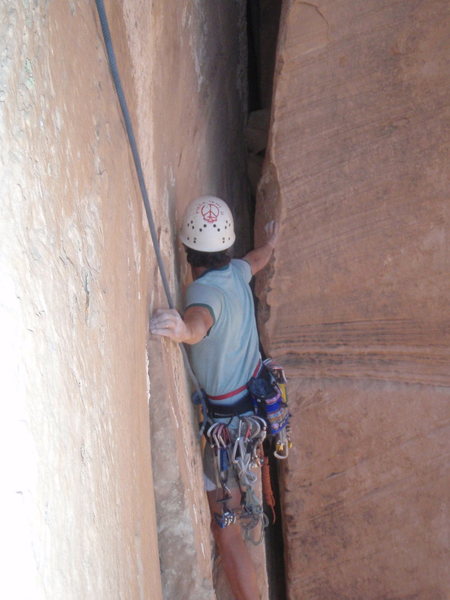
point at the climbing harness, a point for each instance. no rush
(239, 389)
(239, 436)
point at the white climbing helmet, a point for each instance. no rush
(208, 225)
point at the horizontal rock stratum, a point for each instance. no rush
(356, 304)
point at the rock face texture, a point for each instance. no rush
(77, 492)
(356, 302)
(101, 476)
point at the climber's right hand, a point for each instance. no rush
(167, 322)
(190, 330)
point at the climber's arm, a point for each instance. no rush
(259, 257)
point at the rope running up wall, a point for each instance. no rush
(137, 163)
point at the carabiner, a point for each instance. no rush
(281, 450)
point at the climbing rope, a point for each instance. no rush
(140, 174)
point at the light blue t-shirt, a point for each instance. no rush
(227, 357)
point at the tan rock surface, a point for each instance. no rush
(356, 302)
(74, 273)
(85, 425)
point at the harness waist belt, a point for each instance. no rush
(243, 405)
(239, 390)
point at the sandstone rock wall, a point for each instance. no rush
(78, 507)
(101, 462)
(356, 302)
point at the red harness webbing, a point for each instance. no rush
(240, 389)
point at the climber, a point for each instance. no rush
(220, 327)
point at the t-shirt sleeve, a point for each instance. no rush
(210, 297)
(244, 268)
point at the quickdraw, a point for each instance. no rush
(239, 450)
(245, 456)
(219, 440)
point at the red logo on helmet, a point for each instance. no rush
(210, 212)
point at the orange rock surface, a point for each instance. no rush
(356, 302)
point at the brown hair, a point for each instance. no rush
(210, 260)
